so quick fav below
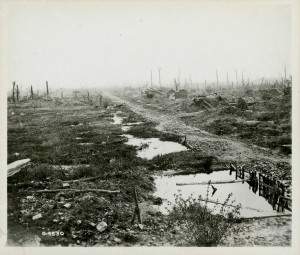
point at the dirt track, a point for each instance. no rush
(223, 148)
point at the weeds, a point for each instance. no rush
(204, 226)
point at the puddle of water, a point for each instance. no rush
(127, 126)
(80, 124)
(134, 123)
(154, 146)
(117, 120)
(252, 204)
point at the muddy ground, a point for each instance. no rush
(71, 141)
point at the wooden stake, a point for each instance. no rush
(136, 211)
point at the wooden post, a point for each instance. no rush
(236, 173)
(31, 92)
(88, 96)
(136, 211)
(13, 94)
(232, 168)
(243, 173)
(237, 83)
(259, 184)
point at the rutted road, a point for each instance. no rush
(224, 149)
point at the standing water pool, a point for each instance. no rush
(252, 204)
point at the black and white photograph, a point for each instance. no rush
(145, 124)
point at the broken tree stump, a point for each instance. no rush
(136, 212)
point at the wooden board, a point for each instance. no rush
(16, 166)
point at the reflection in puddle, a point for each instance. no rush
(252, 204)
(151, 147)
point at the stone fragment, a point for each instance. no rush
(37, 216)
(101, 226)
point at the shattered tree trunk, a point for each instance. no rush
(18, 93)
(47, 89)
(136, 211)
(31, 92)
(13, 94)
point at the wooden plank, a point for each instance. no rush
(267, 216)
(217, 182)
(16, 166)
(76, 191)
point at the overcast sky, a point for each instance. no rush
(96, 44)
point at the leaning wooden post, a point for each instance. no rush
(136, 211)
(232, 168)
(31, 91)
(13, 94)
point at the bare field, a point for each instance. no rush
(75, 149)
